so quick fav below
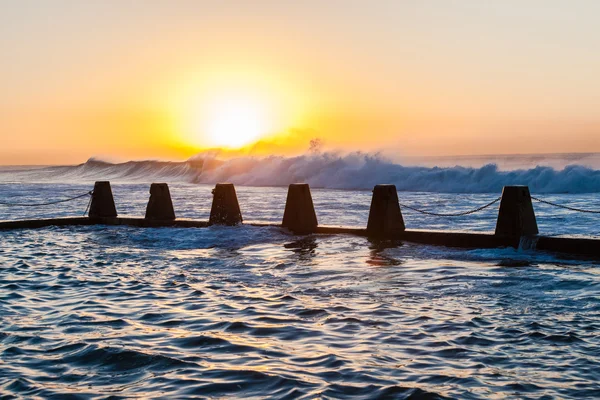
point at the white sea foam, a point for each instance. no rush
(337, 171)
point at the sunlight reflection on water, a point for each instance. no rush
(256, 312)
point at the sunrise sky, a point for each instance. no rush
(166, 79)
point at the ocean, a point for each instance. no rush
(253, 312)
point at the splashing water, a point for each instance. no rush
(330, 170)
(255, 312)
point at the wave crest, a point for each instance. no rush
(326, 170)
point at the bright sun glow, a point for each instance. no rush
(234, 108)
(236, 122)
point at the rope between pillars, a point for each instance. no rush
(452, 215)
(565, 207)
(89, 203)
(10, 204)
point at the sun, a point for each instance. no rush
(235, 122)
(235, 108)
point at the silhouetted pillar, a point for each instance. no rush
(516, 216)
(160, 205)
(225, 208)
(103, 203)
(385, 217)
(299, 215)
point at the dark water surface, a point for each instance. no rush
(254, 312)
(95, 312)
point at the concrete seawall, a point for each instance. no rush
(516, 225)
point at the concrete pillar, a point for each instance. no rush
(225, 208)
(103, 203)
(385, 217)
(516, 217)
(299, 215)
(160, 206)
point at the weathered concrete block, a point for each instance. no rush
(225, 208)
(299, 215)
(103, 203)
(516, 216)
(160, 206)
(385, 217)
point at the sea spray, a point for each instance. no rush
(359, 171)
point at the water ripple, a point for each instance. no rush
(116, 312)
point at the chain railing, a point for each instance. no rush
(49, 203)
(404, 206)
(460, 214)
(564, 207)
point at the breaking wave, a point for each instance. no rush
(326, 170)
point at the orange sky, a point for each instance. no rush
(163, 80)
